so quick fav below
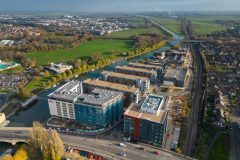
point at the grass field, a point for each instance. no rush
(170, 23)
(36, 85)
(205, 24)
(212, 18)
(135, 32)
(206, 27)
(135, 20)
(220, 148)
(86, 49)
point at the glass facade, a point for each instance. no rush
(144, 130)
(96, 116)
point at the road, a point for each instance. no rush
(196, 102)
(100, 146)
(235, 135)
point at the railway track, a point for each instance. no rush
(196, 103)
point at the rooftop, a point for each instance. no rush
(172, 72)
(142, 65)
(127, 76)
(136, 69)
(69, 91)
(153, 104)
(99, 97)
(105, 84)
(152, 109)
(134, 111)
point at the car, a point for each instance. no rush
(156, 152)
(141, 148)
(123, 154)
(122, 145)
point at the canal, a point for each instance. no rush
(40, 112)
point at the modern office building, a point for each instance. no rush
(61, 101)
(175, 76)
(99, 108)
(147, 122)
(143, 83)
(131, 94)
(151, 74)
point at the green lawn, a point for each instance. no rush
(104, 46)
(220, 149)
(36, 85)
(205, 24)
(213, 18)
(170, 23)
(135, 20)
(201, 27)
(134, 32)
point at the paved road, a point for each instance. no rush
(196, 103)
(105, 147)
(235, 135)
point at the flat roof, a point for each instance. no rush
(134, 111)
(142, 65)
(136, 69)
(172, 72)
(179, 74)
(67, 91)
(126, 76)
(152, 103)
(99, 97)
(116, 86)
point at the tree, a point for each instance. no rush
(54, 79)
(69, 73)
(59, 77)
(57, 149)
(78, 63)
(7, 157)
(96, 57)
(21, 154)
(46, 73)
(64, 75)
(45, 145)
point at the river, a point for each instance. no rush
(40, 112)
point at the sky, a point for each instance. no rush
(118, 5)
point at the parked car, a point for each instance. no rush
(122, 145)
(123, 154)
(156, 152)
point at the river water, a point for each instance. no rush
(40, 112)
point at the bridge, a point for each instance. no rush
(107, 146)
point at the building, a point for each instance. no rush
(175, 76)
(2, 118)
(151, 74)
(145, 66)
(59, 68)
(143, 83)
(61, 101)
(147, 122)
(131, 94)
(99, 108)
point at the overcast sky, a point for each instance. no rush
(119, 5)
